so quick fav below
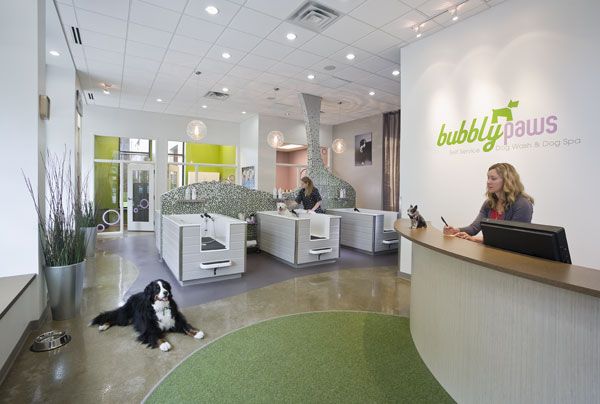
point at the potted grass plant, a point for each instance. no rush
(86, 221)
(62, 242)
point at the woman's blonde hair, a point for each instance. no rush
(512, 186)
(309, 185)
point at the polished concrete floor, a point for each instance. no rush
(112, 367)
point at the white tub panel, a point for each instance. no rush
(277, 236)
(381, 234)
(357, 231)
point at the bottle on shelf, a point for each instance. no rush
(187, 196)
(279, 193)
(194, 194)
(275, 193)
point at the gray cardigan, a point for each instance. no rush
(520, 211)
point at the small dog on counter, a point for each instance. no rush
(152, 312)
(416, 220)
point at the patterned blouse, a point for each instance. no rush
(309, 201)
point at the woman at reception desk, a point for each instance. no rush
(506, 200)
(495, 326)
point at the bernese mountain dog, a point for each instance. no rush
(152, 313)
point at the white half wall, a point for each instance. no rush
(543, 54)
(366, 180)
(294, 132)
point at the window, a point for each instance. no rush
(189, 163)
(134, 149)
(175, 172)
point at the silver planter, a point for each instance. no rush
(89, 234)
(65, 288)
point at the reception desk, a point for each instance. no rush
(499, 327)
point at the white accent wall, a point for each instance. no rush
(366, 180)
(544, 54)
(249, 144)
(22, 137)
(60, 128)
(107, 121)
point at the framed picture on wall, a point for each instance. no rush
(248, 177)
(363, 153)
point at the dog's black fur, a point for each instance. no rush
(138, 310)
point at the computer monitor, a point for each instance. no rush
(539, 240)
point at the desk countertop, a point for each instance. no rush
(11, 287)
(572, 277)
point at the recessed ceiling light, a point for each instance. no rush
(419, 35)
(205, 106)
(105, 91)
(371, 92)
(225, 89)
(455, 18)
(212, 10)
(159, 100)
(396, 72)
(291, 36)
(54, 53)
(310, 76)
(243, 112)
(225, 55)
(350, 56)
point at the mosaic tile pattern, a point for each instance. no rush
(328, 184)
(217, 197)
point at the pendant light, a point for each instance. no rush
(339, 145)
(196, 129)
(275, 138)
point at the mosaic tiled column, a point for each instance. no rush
(329, 185)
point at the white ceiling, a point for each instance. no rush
(149, 49)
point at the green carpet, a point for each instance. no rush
(325, 357)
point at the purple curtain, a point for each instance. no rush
(391, 160)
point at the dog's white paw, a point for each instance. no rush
(199, 335)
(103, 327)
(165, 346)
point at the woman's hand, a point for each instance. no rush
(465, 236)
(450, 231)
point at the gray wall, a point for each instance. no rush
(366, 180)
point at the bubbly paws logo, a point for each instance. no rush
(487, 131)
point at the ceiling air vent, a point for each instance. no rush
(314, 16)
(76, 35)
(215, 95)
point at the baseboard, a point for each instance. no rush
(32, 326)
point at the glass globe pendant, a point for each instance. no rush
(275, 139)
(338, 146)
(196, 130)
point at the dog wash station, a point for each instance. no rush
(200, 248)
(300, 240)
(367, 230)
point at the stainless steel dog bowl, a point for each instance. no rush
(50, 340)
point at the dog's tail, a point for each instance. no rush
(120, 316)
(105, 317)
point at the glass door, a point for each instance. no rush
(140, 197)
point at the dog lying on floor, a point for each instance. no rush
(152, 313)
